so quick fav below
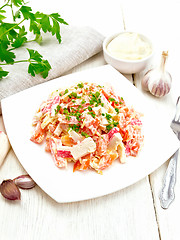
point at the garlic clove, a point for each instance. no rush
(24, 182)
(158, 81)
(9, 190)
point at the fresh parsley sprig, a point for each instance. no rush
(14, 35)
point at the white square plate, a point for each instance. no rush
(62, 184)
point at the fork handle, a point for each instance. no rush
(167, 192)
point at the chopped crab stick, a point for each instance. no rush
(83, 148)
(4, 146)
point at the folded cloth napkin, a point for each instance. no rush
(4, 146)
(78, 44)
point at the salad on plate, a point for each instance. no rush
(89, 125)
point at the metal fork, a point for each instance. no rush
(167, 192)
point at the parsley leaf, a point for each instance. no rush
(37, 65)
(6, 55)
(3, 73)
(20, 39)
(27, 12)
(14, 35)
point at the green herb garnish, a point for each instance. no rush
(68, 118)
(109, 127)
(65, 111)
(75, 127)
(92, 114)
(85, 134)
(14, 35)
(80, 85)
(108, 116)
(73, 94)
(66, 91)
(57, 109)
(117, 110)
(111, 99)
(83, 101)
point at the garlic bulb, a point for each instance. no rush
(157, 80)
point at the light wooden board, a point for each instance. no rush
(132, 213)
(128, 214)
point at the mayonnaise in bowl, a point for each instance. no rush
(129, 46)
(128, 52)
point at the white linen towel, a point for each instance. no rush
(78, 44)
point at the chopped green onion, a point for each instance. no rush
(80, 85)
(108, 127)
(68, 118)
(85, 134)
(65, 111)
(75, 127)
(108, 116)
(57, 109)
(92, 114)
(97, 94)
(83, 101)
(117, 110)
(111, 99)
(66, 91)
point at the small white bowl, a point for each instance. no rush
(124, 65)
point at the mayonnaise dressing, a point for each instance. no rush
(129, 46)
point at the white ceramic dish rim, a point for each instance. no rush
(62, 184)
(109, 38)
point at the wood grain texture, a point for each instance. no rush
(133, 213)
(115, 216)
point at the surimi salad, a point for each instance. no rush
(89, 125)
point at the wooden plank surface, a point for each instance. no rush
(121, 214)
(134, 212)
